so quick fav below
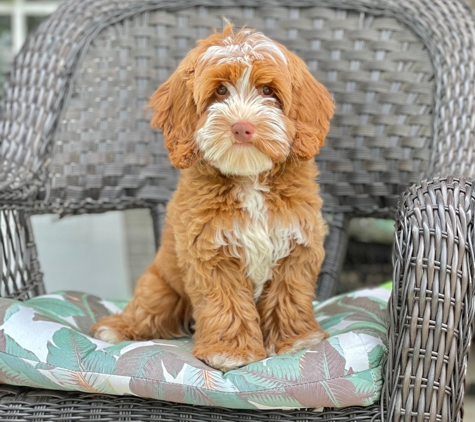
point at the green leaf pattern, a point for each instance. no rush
(45, 342)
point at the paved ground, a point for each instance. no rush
(469, 410)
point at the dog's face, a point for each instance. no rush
(242, 103)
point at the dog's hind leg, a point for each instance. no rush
(157, 309)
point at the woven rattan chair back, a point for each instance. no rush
(83, 142)
(377, 69)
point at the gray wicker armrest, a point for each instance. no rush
(432, 307)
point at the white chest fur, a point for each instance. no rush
(262, 244)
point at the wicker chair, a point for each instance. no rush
(74, 138)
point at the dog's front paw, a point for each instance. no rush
(226, 359)
(306, 341)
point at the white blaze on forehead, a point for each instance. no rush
(243, 84)
(256, 47)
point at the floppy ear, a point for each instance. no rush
(175, 114)
(311, 110)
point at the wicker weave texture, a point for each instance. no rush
(427, 46)
(433, 308)
(378, 69)
(356, 57)
(20, 275)
(379, 72)
(19, 404)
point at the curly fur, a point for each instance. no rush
(243, 241)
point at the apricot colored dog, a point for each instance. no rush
(243, 242)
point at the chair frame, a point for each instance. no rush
(432, 306)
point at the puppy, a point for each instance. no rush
(243, 241)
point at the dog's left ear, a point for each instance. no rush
(175, 113)
(311, 110)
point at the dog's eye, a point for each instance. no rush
(222, 90)
(267, 90)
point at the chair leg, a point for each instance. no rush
(158, 217)
(20, 274)
(335, 252)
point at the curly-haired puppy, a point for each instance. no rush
(243, 243)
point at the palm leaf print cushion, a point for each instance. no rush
(45, 343)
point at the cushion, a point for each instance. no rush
(44, 343)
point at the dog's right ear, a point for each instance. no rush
(312, 110)
(175, 114)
